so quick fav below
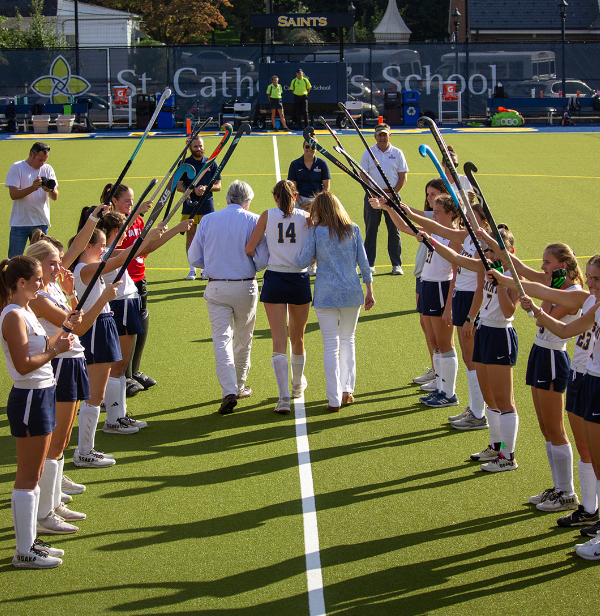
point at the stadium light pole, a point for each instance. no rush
(352, 9)
(456, 15)
(563, 16)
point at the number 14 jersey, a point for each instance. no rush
(285, 238)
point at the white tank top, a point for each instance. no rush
(57, 297)
(96, 292)
(593, 363)
(127, 290)
(466, 280)
(37, 343)
(436, 268)
(285, 239)
(545, 338)
(490, 309)
(585, 341)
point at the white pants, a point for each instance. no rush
(232, 311)
(338, 326)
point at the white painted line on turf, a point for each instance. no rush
(314, 576)
(276, 155)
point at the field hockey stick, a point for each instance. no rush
(449, 164)
(106, 255)
(178, 160)
(185, 195)
(183, 169)
(424, 151)
(161, 102)
(470, 171)
(374, 189)
(244, 129)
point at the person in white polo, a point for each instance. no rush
(31, 184)
(394, 165)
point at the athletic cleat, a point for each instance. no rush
(312, 269)
(35, 559)
(560, 501)
(244, 392)
(590, 531)
(298, 390)
(283, 406)
(590, 550)
(192, 274)
(228, 404)
(431, 386)
(65, 498)
(120, 427)
(101, 453)
(544, 496)
(373, 270)
(397, 270)
(486, 455)
(53, 524)
(67, 514)
(68, 486)
(134, 423)
(144, 380)
(462, 415)
(426, 377)
(433, 394)
(42, 545)
(580, 517)
(442, 400)
(132, 388)
(93, 459)
(500, 464)
(470, 422)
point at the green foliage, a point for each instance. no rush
(40, 34)
(149, 42)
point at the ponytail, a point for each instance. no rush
(11, 271)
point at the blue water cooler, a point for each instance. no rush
(411, 107)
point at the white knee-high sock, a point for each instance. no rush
(598, 490)
(449, 368)
(279, 361)
(551, 463)
(112, 400)
(298, 362)
(22, 503)
(123, 395)
(563, 462)
(509, 428)
(47, 485)
(494, 422)
(476, 401)
(88, 422)
(587, 481)
(58, 485)
(437, 355)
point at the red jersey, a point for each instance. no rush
(136, 269)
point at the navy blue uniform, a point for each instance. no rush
(309, 181)
(208, 206)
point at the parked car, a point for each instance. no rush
(214, 61)
(551, 88)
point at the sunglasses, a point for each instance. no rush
(309, 147)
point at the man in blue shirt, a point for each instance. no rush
(197, 160)
(232, 291)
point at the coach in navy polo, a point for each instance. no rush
(310, 173)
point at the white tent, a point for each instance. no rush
(392, 28)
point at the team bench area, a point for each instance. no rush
(536, 107)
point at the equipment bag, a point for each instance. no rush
(507, 117)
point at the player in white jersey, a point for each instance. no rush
(495, 354)
(286, 287)
(436, 280)
(31, 406)
(573, 299)
(467, 295)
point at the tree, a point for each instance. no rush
(40, 34)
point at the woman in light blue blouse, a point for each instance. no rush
(336, 243)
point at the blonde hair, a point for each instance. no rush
(564, 254)
(41, 250)
(326, 210)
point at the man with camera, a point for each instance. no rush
(31, 183)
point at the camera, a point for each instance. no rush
(50, 184)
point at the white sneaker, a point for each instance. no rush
(297, 390)
(460, 416)
(94, 459)
(101, 453)
(489, 453)
(67, 514)
(560, 501)
(53, 524)
(68, 486)
(500, 464)
(120, 427)
(544, 496)
(591, 542)
(431, 386)
(65, 498)
(470, 422)
(35, 559)
(312, 269)
(373, 270)
(284, 406)
(135, 423)
(42, 545)
(192, 274)
(397, 270)
(426, 377)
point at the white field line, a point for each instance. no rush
(276, 155)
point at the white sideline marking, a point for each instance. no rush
(314, 577)
(276, 155)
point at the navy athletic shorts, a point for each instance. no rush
(547, 367)
(286, 288)
(496, 345)
(72, 381)
(127, 314)
(101, 341)
(461, 304)
(588, 398)
(32, 410)
(433, 298)
(573, 387)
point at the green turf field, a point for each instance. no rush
(202, 514)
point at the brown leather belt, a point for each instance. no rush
(230, 279)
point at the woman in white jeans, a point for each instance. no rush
(336, 244)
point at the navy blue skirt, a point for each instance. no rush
(286, 288)
(588, 398)
(461, 304)
(433, 298)
(127, 314)
(547, 367)
(72, 381)
(496, 346)
(573, 387)
(101, 341)
(32, 410)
